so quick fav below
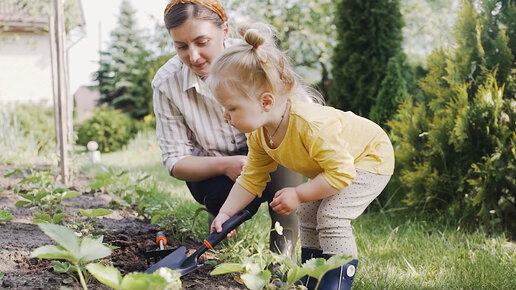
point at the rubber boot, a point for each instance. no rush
(284, 244)
(307, 254)
(340, 278)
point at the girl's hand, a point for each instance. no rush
(216, 224)
(285, 201)
(234, 166)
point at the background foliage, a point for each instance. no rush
(456, 151)
(111, 129)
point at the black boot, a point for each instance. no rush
(307, 254)
(340, 278)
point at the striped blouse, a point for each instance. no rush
(189, 121)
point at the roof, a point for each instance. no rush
(32, 15)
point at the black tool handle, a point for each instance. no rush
(229, 225)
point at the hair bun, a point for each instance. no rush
(253, 37)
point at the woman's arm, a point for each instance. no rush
(196, 168)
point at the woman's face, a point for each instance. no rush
(198, 43)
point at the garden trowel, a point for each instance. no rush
(183, 264)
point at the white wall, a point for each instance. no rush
(25, 68)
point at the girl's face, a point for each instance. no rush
(242, 112)
(198, 43)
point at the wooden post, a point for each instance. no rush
(61, 94)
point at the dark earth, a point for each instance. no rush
(133, 235)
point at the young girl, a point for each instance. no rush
(348, 159)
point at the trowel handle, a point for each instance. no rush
(232, 223)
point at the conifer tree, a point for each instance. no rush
(393, 90)
(368, 35)
(122, 75)
(453, 154)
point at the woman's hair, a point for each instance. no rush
(181, 12)
(257, 64)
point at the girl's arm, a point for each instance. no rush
(288, 199)
(238, 199)
(315, 189)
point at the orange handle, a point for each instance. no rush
(160, 237)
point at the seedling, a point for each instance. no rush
(255, 273)
(69, 247)
(84, 225)
(163, 278)
(5, 216)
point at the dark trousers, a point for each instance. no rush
(213, 192)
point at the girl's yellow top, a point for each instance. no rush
(319, 139)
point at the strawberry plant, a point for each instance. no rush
(70, 248)
(163, 278)
(254, 270)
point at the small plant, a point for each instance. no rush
(127, 190)
(5, 216)
(71, 248)
(38, 190)
(84, 225)
(163, 278)
(254, 270)
(49, 219)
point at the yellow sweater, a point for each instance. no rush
(319, 139)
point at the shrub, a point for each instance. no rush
(111, 129)
(455, 148)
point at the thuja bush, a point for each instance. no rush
(455, 149)
(111, 129)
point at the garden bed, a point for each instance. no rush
(131, 234)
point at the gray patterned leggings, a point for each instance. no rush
(326, 224)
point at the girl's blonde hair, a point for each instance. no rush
(257, 64)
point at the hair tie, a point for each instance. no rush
(256, 46)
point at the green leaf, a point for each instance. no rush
(318, 267)
(53, 252)
(69, 194)
(256, 281)
(96, 212)
(58, 217)
(92, 249)
(21, 203)
(61, 267)
(136, 281)
(107, 275)
(5, 216)
(227, 268)
(40, 195)
(9, 172)
(1, 275)
(64, 236)
(28, 196)
(43, 217)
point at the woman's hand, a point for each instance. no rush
(216, 224)
(234, 166)
(285, 201)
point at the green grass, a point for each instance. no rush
(397, 252)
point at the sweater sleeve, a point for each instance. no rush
(256, 173)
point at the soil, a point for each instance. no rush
(133, 235)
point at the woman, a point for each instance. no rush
(198, 145)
